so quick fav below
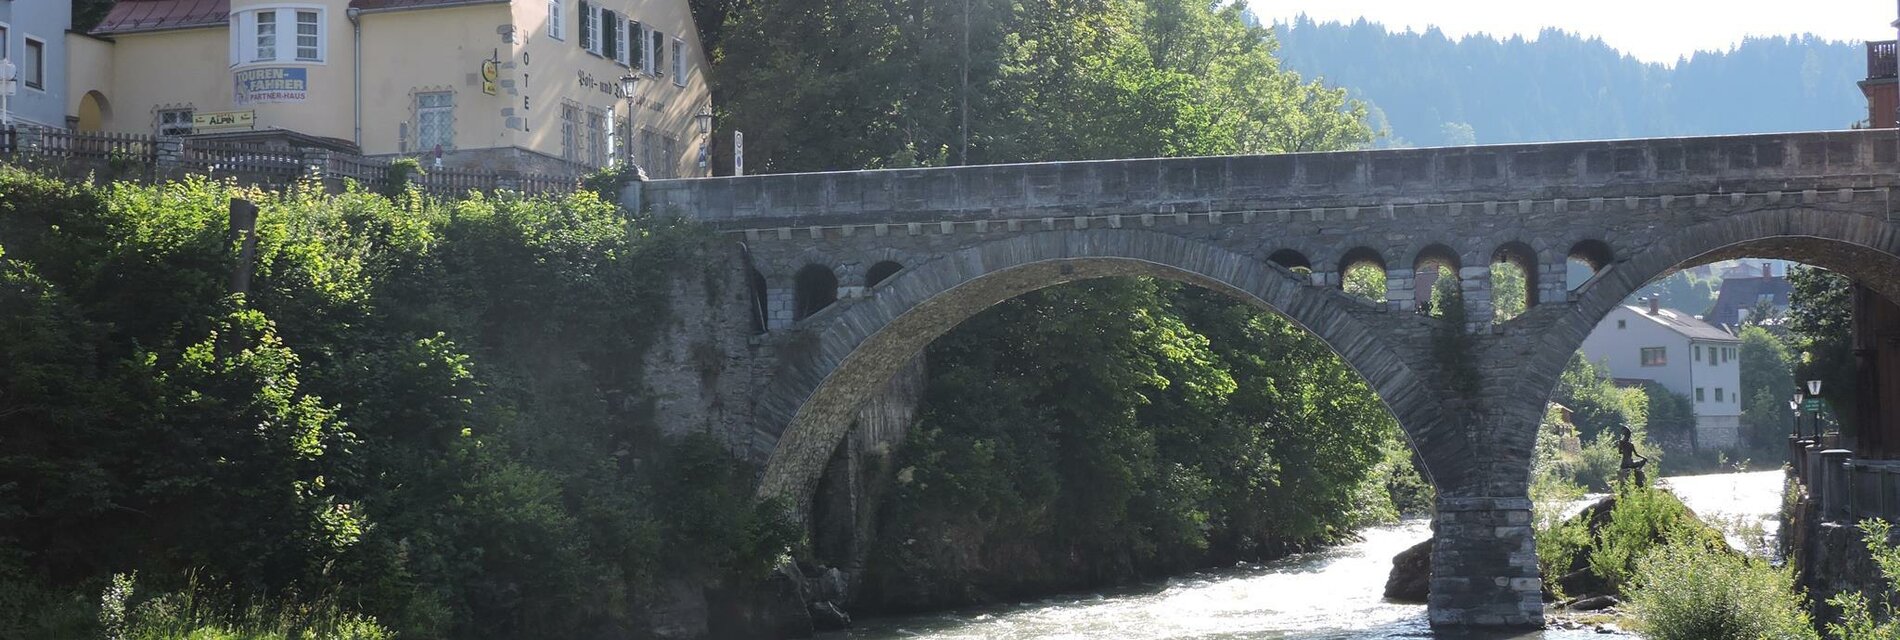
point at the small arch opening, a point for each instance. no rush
(1293, 260)
(817, 288)
(1362, 273)
(1435, 265)
(1513, 280)
(755, 281)
(1586, 258)
(880, 272)
(94, 110)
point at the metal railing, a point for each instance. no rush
(1880, 60)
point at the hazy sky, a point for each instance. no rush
(1652, 30)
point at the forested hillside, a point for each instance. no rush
(1431, 90)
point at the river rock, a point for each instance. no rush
(1594, 604)
(1411, 577)
(826, 616)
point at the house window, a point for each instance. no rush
(636, 46)
(610, 35)
(596, 137)
(669, 163)
(557, 21)
(435, 121)
(254, 35)
(1655, 356)
(590, 27)
(174, 122)
(6, 46)
(1718, 394)
(1698, 353)
(33, 69)
(1698, 394)
(308, 42)
(1622, 324)
(624, 52)
(659, 53)
(648, 143)
(266, 37)
(679, 62)
(570, 128)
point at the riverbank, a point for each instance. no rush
(1323, 595)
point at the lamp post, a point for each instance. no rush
(1795, 405)
(628, 83)
(705, 120)
(1814, 407)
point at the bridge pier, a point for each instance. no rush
(1484, 564)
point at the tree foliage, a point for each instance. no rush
(421, 412)
(1432, 89)
(850, 84)
(1120, 428)
(1820, 319)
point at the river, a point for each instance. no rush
(1324, 595)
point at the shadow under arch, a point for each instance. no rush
(852, 350)
(1862, 247)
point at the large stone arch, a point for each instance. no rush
(848, 351)
(1863, 247)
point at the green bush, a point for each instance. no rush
(423, 411)
(1688, 590)
(1858, 619)
(1643, 520)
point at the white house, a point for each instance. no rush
(1684, 355)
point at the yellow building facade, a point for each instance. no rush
(513, 85)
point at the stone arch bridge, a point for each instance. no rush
(855, 272)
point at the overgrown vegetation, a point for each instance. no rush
(1113, 429)
(423, 417)
(1688, 590)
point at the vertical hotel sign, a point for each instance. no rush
(268, 85)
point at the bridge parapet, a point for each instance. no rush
(1606, 169)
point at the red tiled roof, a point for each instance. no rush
(150, 15)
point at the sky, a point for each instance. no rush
(1651, 30)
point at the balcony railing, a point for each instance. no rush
(1880, 60)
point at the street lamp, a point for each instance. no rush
(1814, 388)
(705, 120)
(1795, 405)
(628, 83)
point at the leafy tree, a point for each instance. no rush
(1820, 319)
(1767, 366)
(1508, 290)
(1597, 404)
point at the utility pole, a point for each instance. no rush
(963, 97)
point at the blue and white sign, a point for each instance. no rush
(272, 84)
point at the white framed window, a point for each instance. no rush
(174, 122)
(32, 67)
(6, 43)
(435, 121)
(278, 34)
(596, 137)
(309, 36)
(641, 59)
(590, 27)
(1655, 356)
(679, 62)
(570, 129)
(557, 20)
(265, 32)
(624, 54)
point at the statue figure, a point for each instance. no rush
(1632, 461)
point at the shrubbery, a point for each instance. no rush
(1688, 590)
(422, 411)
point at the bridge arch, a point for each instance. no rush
(826, 373)
(1862, 247)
